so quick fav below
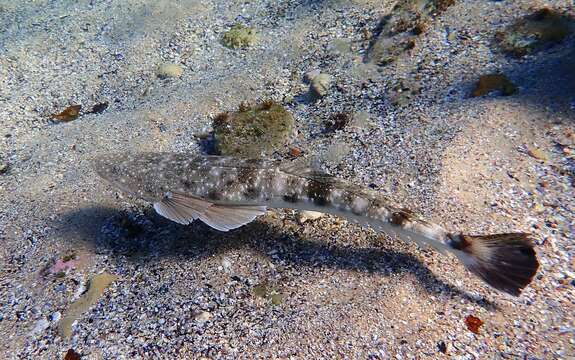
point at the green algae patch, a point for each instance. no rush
(494, 82)
(252, 131)
(239, 36)
(535, 32)
(96, 288)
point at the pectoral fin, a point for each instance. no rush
(181, 208)
(184, 209)
(225, 218)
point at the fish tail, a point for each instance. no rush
(507, 262)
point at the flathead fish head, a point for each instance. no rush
(128, 172)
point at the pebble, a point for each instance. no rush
(226, 264)
(3, 167)
(40, 326)
(168, 70)
(203, 316)
(56, 316)
(310, 75)
(320, 84)
(306, 215)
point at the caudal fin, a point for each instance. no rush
(505, 261)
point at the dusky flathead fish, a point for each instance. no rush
(226, 193)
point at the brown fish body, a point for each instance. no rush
(226, 193)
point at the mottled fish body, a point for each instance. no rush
(227, 192)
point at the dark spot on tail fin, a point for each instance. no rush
(505, 261)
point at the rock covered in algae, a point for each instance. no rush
(534, 32)
(398, 31)
(98, 284)
(494, 82)
(239, 36)
(253, 131)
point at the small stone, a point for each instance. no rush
(260, 290)
(310, 75)
(41, 325)
(3, 167)
(494, 82)
(276, 299)
(538, 208)
(203, 316)
(226, 264)
(442, 347)
(320, 85)
(306, 215)
(56, 316)
(168, 70)
(361, 120)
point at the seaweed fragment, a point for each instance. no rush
(70, 113)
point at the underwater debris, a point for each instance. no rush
(442, 347)
(494, 82)
(473, 323)
(70, 113)
(534, 32)
(537, 153)
(252, 131)
(72, 355)
(98, 284)
(99, 108)
(294, 152)
(239, 36)
(320, 85)
(269, 293)
(168, 70)
(404, 91)
(63, 265)
(337, 122)
(398, 31)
